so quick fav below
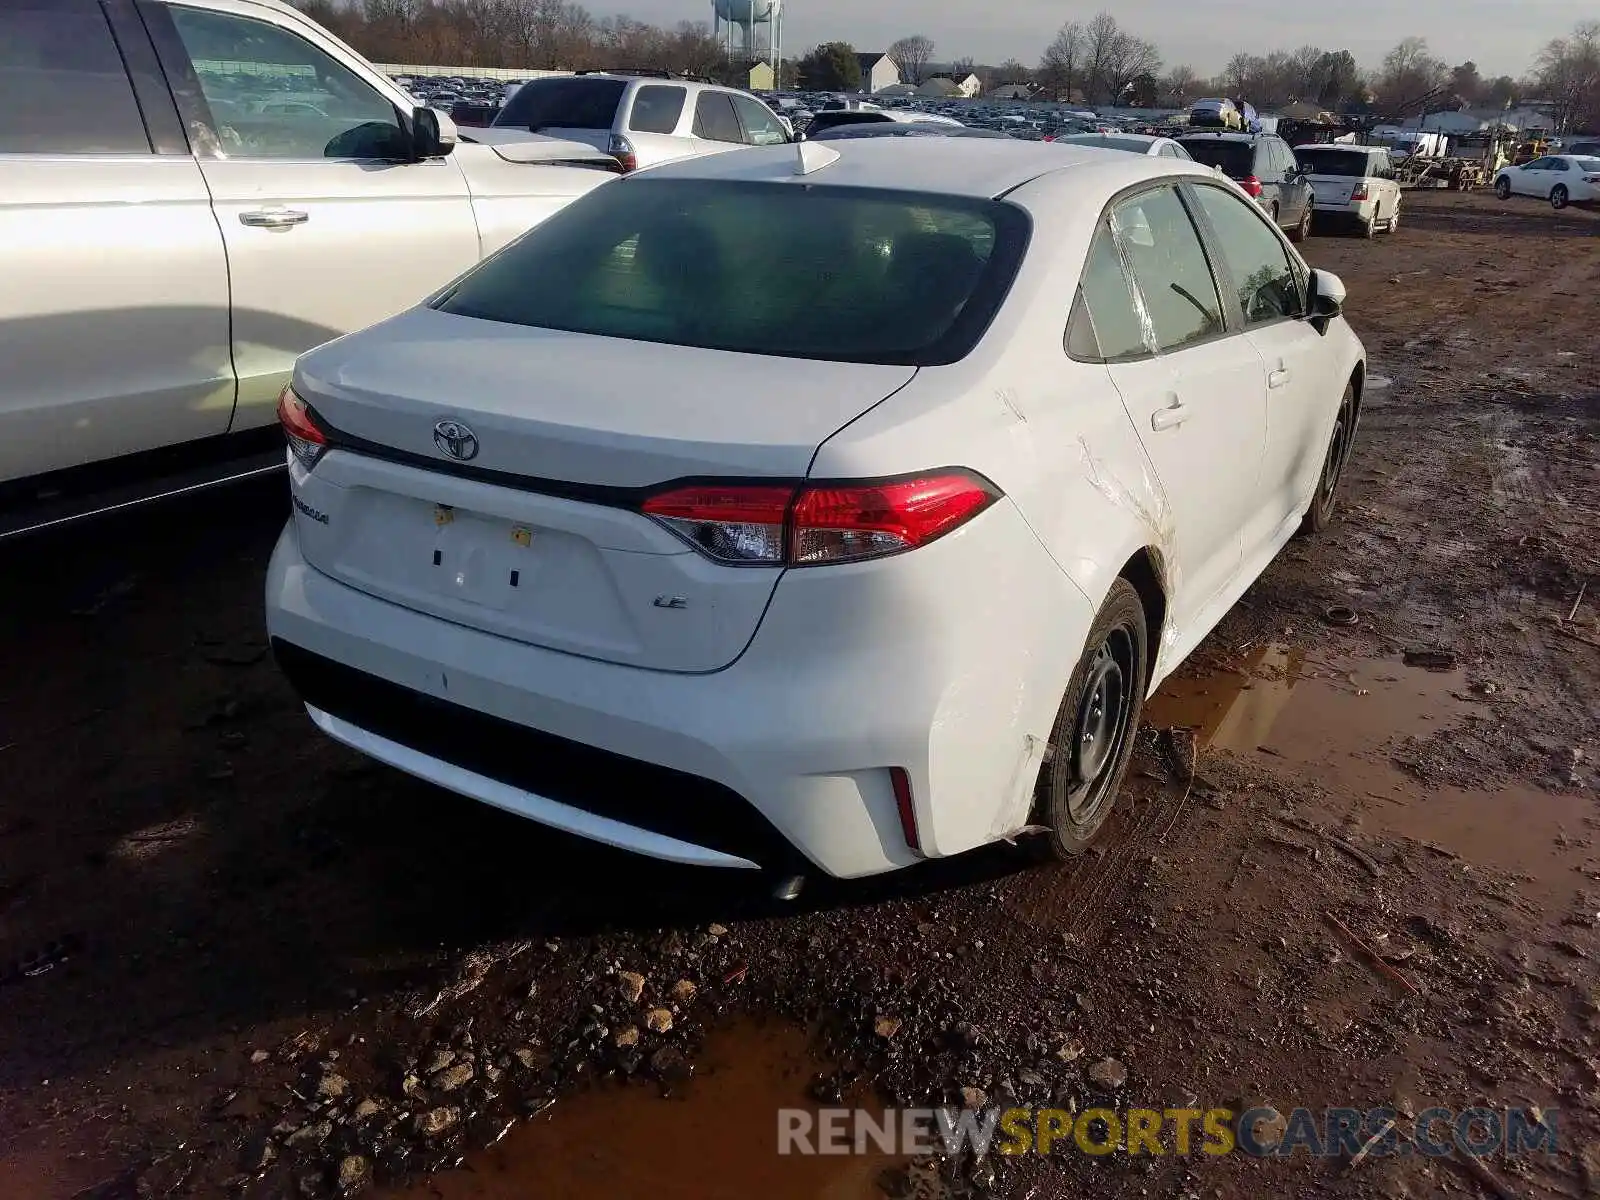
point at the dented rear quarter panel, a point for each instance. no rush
(1054, 436)
(1051, 432)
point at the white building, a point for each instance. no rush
(877, 72)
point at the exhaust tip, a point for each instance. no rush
(789, 888)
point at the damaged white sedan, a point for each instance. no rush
(818, 508)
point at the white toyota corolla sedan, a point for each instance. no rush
(817, 508)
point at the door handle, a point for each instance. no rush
(273, 218)
(1276, 379)
(1170, 417)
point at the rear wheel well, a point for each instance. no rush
(1142, 572)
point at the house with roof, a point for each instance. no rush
(877, 72)
(1012, 91)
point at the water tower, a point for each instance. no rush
(760, 30)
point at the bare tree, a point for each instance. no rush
(1242, 74)
(1568, 72)
(1409, 73)
(1181, 85)
(911, 55)
(1010, 71)
(1101, 37)
(1129, 60)
(1307, 70)
(1061, 66)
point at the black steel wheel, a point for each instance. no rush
(1091, 743)
(1320, 515)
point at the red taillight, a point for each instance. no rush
(732, 524)
(901, 782)
(1361, 191)
(841, 522)
(622, 150)
(820, 523)
(306, 441)
(1251, 185)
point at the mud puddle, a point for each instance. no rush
(1315, 710)
(713, 1137)
(1345, 725)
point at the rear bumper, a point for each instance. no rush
(1355, 212)
(948, 663)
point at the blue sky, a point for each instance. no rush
(1502, 38)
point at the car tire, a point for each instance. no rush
(1502, 188)
(1368, 228)
(1326, 497)
(1559, 197)
(1303, 230)
(1091, 742)
(1394, 219)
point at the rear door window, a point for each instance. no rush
(1170, 268)
(1260, 268)
(656, 109)
(1105, 326)
(760, 126)
(577, 102)
(714, 118)
(63, 88)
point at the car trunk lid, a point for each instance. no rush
(534, 532)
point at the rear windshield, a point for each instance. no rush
(1237, 159)
(573, 103)
(1109, 143)
(1335, 162)
(827, 120)
(847, 274)
(1587, 164)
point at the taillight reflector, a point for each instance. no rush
(818, 523)
(306, 441)
(901, 782)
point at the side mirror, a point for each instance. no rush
(433, 135)
(1327, 298)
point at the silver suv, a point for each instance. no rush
(643, 119)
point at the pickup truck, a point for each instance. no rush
(192, 193)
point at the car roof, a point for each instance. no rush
(954, 166)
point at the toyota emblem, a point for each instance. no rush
(455, 440)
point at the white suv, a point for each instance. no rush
(642, 119)
(192, 193)
(1353, 184)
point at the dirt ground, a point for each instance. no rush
(238, 960)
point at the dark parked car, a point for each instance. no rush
(1265, 167)
(473, 114)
